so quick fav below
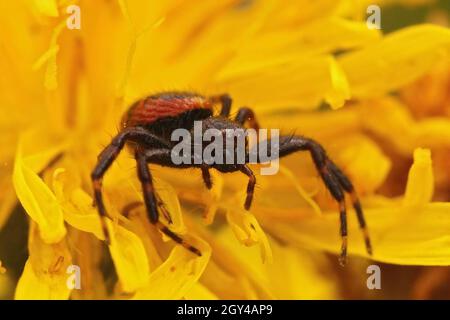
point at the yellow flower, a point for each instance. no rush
(66, 91)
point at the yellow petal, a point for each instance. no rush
(32, 287)
(6, 286)
(398, 59)
(177, 275)
(339, 91)
(47, 8)
(8, 198)
(419, 188)
(171, 205)
(200, 292)
(433, 132)
(130, 258)
(414, 237)
(248, 231)
(49, 57)
(320, 125)
(299, 12)
(76, 204)
(362, 160)
(303, 84)
(45, 274)
(38, 200)
(267, 49)
(282, 277)
(288, 174)
(391, 120)
(400, 233)
(215, 195)
(127, 250)
(80, 213)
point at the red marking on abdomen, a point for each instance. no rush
(151, 109)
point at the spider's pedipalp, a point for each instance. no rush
(226, 101)
(246, 114)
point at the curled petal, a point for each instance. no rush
(177, 275)
(130, 258)
(45, 274)
(37, 198)
(248, 231)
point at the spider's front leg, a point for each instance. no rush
(107, 157)
(335, 181)
(147, 187)
(142, 160)
(206, 175)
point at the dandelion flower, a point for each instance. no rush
(64, 91)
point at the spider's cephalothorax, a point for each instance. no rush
(147, 127)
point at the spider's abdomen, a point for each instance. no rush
(165, 107)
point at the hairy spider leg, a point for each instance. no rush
(206, 176)
(348, 187)
(335, 181)
(145, 178)
(107, 157)
(250, 186)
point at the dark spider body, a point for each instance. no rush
(147, 127)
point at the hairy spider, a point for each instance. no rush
(147, 127)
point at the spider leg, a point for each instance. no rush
(246, 114)
(335, 181)
(107, 157)
(225, 100)
(250, 186)
(163, 209)
(51, 163)
(206, 177)
(127, 209)
(147, 187)
(142, 160)
(348, 187)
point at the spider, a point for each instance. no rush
(146, 129)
